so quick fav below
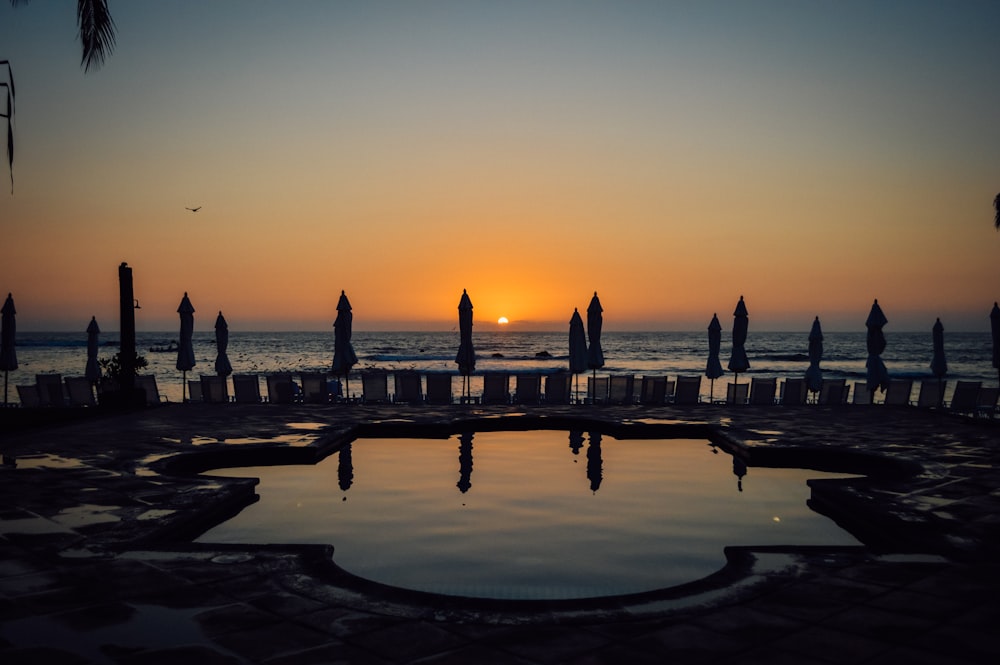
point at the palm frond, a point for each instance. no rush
(97, 32)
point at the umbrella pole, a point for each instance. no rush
(711, 391)
(184, 385)
(5, 387)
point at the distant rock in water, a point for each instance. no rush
(543, 354)
(497, 355)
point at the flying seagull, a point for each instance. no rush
(194, 209)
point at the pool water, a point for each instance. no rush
(538, 514)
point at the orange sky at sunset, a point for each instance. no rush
(671, 156)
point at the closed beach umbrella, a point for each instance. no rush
(814, 375)
(8, 353)
(877, 375)
(577, 346)
(939, 366)
(185, 348)
(595, 320)
(738, 361)
(713, 369)
(93, 371)
(994, 326)
(466, 357)
(344, 357)
(222, 364)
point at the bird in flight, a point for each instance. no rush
(194, 209)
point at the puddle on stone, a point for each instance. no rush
(86, 515)
(309, 426)
(48, 462)
(155, 514)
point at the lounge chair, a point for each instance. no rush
(597, 389)
(280, 389)
(246, 389)
(861, 395)
(527, 389)
(314, 388)
(793, 392)
(214, 389)
(688, 390)
(50, 389)
(931, 394)
(833, 391)
(148, 384)
(407, 387)
(80, 391)
(762, 391)
(496, 388)
(28, 395)
(194, 391)
(986, 402)
(965, 397)
(439, 389)
(621, 389)
(736, 394)
(898, 392)
(653, 390)
(558, 387)
(375, 387)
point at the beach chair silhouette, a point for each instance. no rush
(375, 387)
(527, 389)
(246, 389)
(653, 390)
(496, 388)
(793, 392)
(931, 394)
(833, 391)
(148, 384)
(28, 395)
(438, 388)
(80, 391)
(762, 391)
(50, 389)
(965, 397)
(194, 391)
(280, 388)
(688, 390)
(407, 387)
(557, 388)
(214, 389)
(314, 388)
(597, 389)
(898, 392)
(621, 388)
(861, 395)
(736, 394)
(986, 402)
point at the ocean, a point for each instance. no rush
(782, 355)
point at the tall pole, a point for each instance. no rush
(127, 313)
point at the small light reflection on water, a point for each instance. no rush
(530, 514)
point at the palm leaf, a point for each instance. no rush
(97, 32)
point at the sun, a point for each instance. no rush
(502, 321)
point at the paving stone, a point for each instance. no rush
(406, 641)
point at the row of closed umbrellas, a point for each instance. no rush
(585, 351)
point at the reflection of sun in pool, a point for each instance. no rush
(502, 321)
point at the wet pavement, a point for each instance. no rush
(96, 563)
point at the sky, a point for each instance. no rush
(811, 156)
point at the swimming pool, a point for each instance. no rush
(537, 514)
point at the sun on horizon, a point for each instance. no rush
(502, 321)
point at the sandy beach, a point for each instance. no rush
(98, 514)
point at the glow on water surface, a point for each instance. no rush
(531, 514)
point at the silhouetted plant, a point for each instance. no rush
(9, 85)
(97, 30)
(112, 366)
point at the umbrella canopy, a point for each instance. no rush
(466, 357)
(877, 376)
(738, 361)
(8, 354)
(344, 357)
(713, 369)
(93, 371)
(814, 375)
(595, 355)
(939, 366)
(994, 327)
(222, 364)
(577, 343)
